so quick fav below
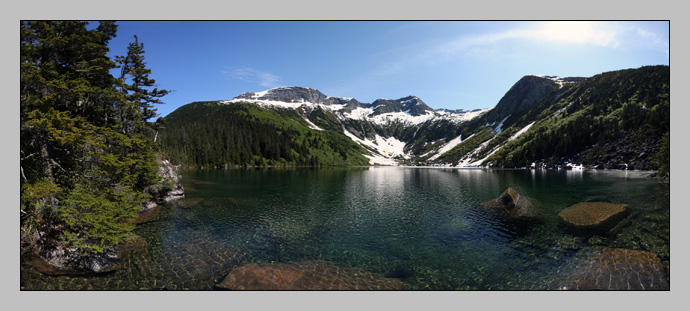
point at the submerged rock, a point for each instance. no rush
(617, 269)
(148, 214)
(134, 246)
(308, 275)
(512, 205)
(593, 217)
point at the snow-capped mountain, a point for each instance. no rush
(541, 118)
(368, 124)
(408, 110)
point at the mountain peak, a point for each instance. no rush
(287, 94)
(411, 105)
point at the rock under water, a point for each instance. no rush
(308, 275)
(617, 269)
(594, 217)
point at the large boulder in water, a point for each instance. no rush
(308, 275)
(617, 269)
(512, 205)
(592, 217)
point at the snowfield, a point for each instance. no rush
(384, 150)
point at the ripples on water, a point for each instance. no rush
(421, 225)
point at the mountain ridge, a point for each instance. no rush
(406, 131)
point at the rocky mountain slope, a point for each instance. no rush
(540, 121)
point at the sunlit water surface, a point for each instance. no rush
(424, 226)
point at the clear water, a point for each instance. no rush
(424, 226)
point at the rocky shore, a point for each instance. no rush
(45, 251)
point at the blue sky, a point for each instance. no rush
(451, 64)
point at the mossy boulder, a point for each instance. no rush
(592, 217)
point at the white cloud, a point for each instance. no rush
(487, 46)
(265, 79)
(557, 32)
(653, 40)
(574, 32)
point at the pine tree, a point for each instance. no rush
(137, 108)
(83, 166)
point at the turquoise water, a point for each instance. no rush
(424, 226)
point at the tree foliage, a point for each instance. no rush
(85, 155)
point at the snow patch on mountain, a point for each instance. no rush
(459, 117)
(521, 131)
(359, 113)
(560, 81)
(499, 127)
(467, 161)
(447, 147)
(391, 147)
(312, 125)
(285, 105)
(402, 117)
(265, 103)
(385, 149)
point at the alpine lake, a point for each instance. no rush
(423, 227)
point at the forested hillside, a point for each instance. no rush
(212, 134)
(617, 119)
(627, 105)
(86, 150)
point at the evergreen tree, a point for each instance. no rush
(83, 169)
(137, 108)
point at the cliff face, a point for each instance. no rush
(522, 96)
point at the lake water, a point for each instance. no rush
(424, 226)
